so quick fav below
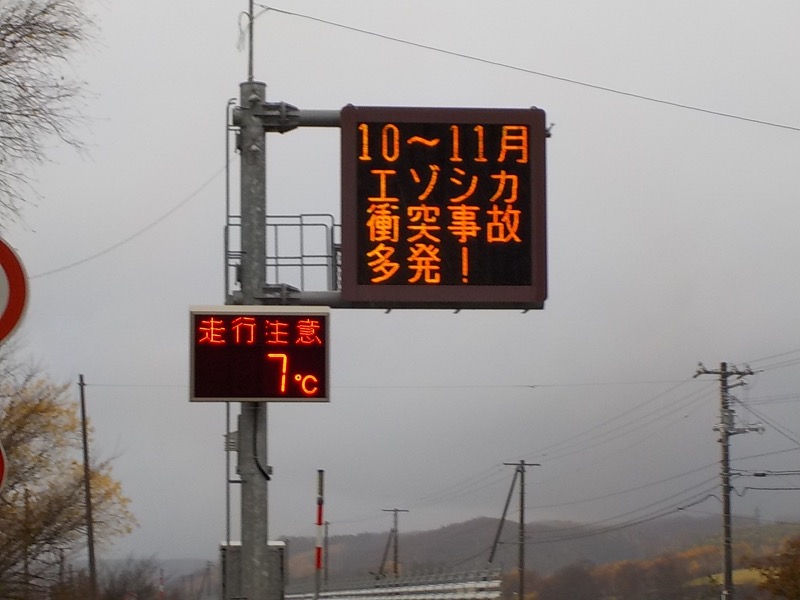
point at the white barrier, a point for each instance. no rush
(437, 587)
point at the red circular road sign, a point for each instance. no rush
(13, 290)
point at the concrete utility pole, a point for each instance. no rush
(726, 429)
(396, 535)
(520, 470)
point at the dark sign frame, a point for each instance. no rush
(272, 347)
(510, 280)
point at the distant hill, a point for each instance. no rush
(551, 546)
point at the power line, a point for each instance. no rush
(266, 8)
(599, 433)
(503, 65)
(588, 530)
(136, 233)
(707, 486)
(486, 386)
(511, 386)
(777, 399)
(471, 484)
(626, 491)
(779, 355)
(789, 435)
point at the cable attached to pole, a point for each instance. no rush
(265, 471)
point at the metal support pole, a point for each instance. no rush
(320, 538)
(26, 565)
(252, 143)
(325, 562)
(252, 444)
(521, 565)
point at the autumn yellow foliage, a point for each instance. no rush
(42, 504)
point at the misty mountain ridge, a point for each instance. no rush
(550, 546)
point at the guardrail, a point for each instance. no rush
(449, 586)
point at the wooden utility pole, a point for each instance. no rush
(87, 488)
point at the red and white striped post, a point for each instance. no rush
(320, 532)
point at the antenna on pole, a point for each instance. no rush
(250, 42)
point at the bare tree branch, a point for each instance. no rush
(38, 100)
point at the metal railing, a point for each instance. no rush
(303, 252)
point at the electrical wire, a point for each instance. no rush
(592, 529)
(769, 489)
(489, 476)
(136, 233)
(614, 518)
(503, 65)
(763, 454)
(604, 458)
(777, 399)
(267, 8)
(471, 484)
(773, 356)
(598, 434)
(789, 435)
(765, 473)
(622, 492)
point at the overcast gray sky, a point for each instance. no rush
(673, 239)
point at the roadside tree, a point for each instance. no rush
(39, 99)
(780, 572)
(575, 581)
(42, 505)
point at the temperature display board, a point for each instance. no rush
(443, 207)
(259, 353)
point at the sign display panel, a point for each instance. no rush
(259, 353)
(443, 207)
